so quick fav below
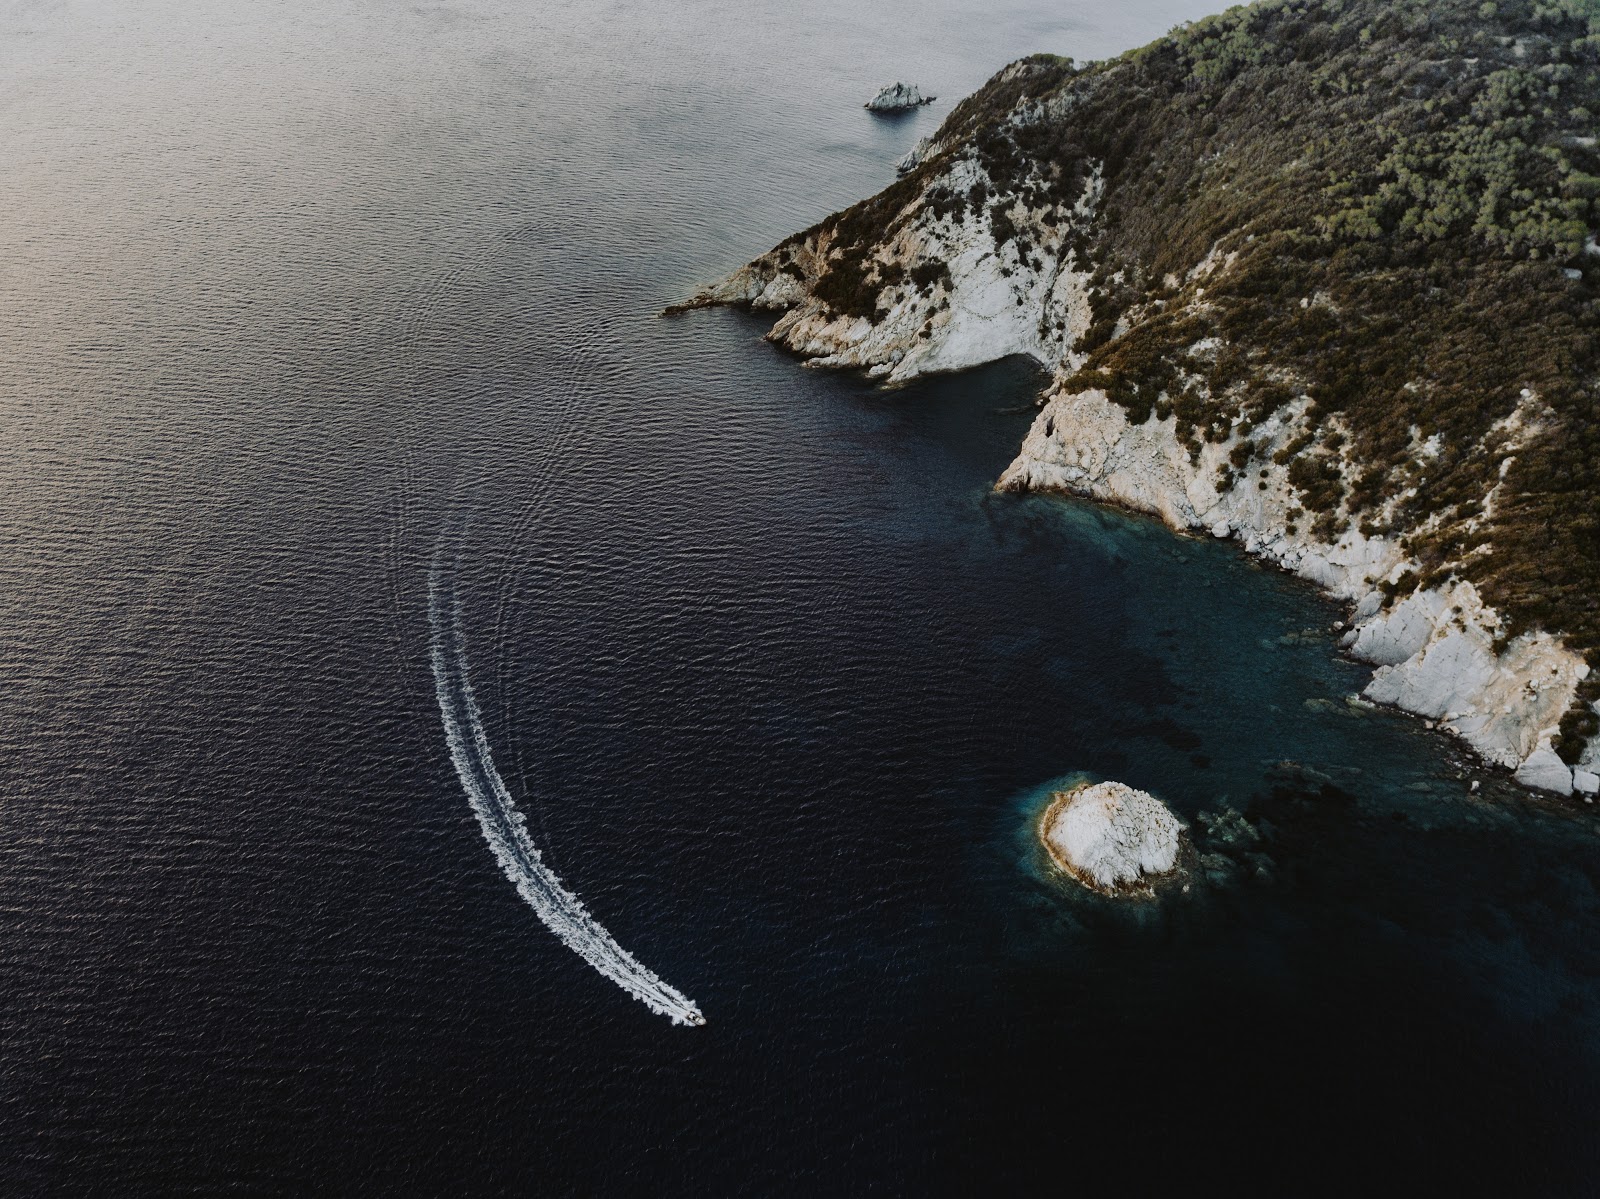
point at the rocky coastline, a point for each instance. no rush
(961, 264)
(1434, 652)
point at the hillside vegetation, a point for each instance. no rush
(1385, 205)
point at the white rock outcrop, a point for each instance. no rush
(1544, 770)
(897, 96)
(913, 158)
(1111, 836)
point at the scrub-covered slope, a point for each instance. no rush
(1319, 274)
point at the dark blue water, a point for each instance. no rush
(300, 303)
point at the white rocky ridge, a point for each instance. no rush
(1439, 652)
(897, 96)
(1111, 836)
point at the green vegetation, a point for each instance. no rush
(1399, 196)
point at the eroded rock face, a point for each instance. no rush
(925, 149)
(1110, 836)
(1437, 652)
(897, 96)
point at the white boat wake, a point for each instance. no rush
(505, 828)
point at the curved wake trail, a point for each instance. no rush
(505, 828)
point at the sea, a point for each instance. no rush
(429, 676)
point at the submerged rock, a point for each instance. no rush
(1229, 827)
(1110, 836)
(897, 96)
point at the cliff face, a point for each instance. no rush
(1268, 317)
(1435, 651)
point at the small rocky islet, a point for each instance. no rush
(897, 97)
(1112, 838)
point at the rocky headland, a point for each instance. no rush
(1316, 275)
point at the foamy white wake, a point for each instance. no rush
(505, 828)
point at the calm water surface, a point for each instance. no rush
(293, 295)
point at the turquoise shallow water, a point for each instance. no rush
(293, 297)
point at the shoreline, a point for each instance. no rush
(1393, 640)
(1434, 653)
(1344, 626)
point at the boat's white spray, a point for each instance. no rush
(505, 828)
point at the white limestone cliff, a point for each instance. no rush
(1435, 651)
(920, 153)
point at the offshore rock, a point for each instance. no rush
(898, 96)
(1110, 836)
